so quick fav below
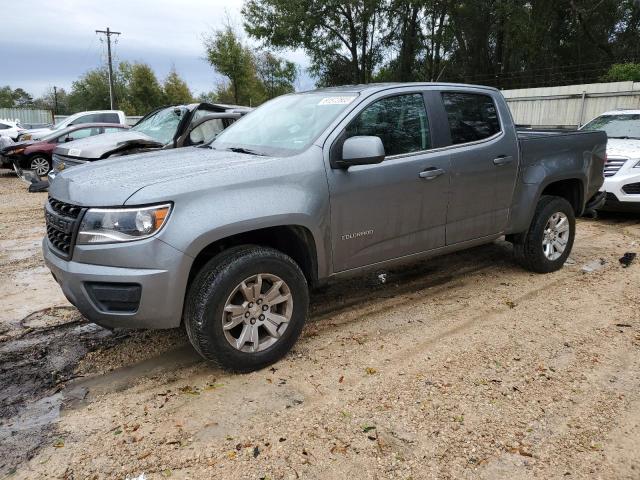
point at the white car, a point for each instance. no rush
(10, 129)
(95, 116)
(622, 169)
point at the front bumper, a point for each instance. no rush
(618, 199)
(161, 290)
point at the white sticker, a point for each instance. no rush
(336, 100)
(74, 152)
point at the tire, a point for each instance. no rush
(218, 285)
(528, 248)
(38, 164)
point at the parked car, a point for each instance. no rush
(228, 236)
(622, 169)
(35, 155)
(96, 116)
(10, 129)
(167, 127)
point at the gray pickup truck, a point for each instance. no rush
(228, 237)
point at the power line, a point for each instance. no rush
(108, 33)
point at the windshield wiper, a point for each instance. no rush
(244, 150)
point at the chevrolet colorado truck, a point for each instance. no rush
(227, 238)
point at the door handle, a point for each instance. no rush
(502, 160)
(431, 173)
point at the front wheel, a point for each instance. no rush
(40, 165)
(246, 308)
(546, 245)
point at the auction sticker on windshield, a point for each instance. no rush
(336, 100)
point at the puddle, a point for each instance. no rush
(33, 367)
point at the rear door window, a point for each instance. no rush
(400, 122)
(471, 116)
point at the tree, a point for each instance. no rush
(336, 34)
(91, 90)
(227, 54)
(276, 74)
(50, 98)
(622, 72)
(137, 90)
(143, 92)
(17, 98)
(175, 89)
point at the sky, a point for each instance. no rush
(54, 41)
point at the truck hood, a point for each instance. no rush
(618, 147)
(112, 181)
(101, 146)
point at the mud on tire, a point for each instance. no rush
(216, 293)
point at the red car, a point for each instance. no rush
(36, 155)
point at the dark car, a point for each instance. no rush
(167, 127)
(36, 155)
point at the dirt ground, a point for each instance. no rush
(464, 366)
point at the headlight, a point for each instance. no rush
(109, 225)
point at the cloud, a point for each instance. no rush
(56, 42)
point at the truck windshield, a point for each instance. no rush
(162, 125)
(285, 125)
(617, 126)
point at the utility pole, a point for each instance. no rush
(108, 34)
(55, 100)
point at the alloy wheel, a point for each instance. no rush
(257, 312)
(40, 166)
(555, 236)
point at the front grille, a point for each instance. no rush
(612, 165)
(632, 188)
(62, 220)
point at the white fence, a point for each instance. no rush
(27, 115)
(572, 105)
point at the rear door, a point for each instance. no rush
(395, 208)
(484, 154)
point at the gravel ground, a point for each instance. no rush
(464, 366)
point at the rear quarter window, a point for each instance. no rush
(108, 118)
(471, 116)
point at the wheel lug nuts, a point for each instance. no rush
(246, 315)
(259, 301)
(261, 317)
(265, 308)
(252, 321)
(250, 304)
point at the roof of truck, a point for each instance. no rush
(384, 86)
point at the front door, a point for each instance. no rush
(395, 208)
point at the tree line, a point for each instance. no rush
(501, 43)
(504, 43)
(136, 89)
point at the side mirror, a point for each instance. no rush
(68, 139)
(361, 150)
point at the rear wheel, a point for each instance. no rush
(546, 245)
(246, 308)
(40, 165)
